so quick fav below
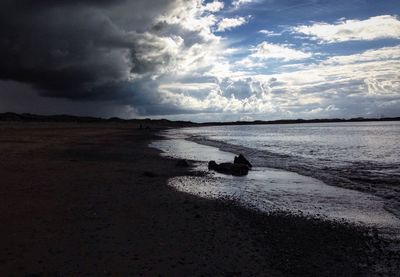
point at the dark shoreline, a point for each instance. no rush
(27, 117)
(92, 199)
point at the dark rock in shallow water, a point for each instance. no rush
(229, 168)
(183, 163)
(242, 160)
(212, 165)
(239, 169)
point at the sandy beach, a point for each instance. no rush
(92, 199)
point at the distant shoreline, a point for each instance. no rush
(27, 117)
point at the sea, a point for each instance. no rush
(340, 171)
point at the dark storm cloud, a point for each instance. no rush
(76, 49)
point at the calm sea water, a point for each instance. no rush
(361, 152)
(337, 170)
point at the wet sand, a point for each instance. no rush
(272, 189)
(91, 199)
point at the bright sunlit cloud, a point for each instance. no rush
(238, 3)
(214, 6)
(267, 50)
(377, 27)
(229, 23)
(269, 33)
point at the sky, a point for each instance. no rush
(201, 60)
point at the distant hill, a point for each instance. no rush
(299, 121)
(47, 118)
(27, 117)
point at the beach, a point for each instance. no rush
(92, 199)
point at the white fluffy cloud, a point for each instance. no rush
(351, 74)
(267, 50)
(204, 81)
(352, 85)
(214, 6)
(377, 27)
(238, 3)
(269, 33)
(193, 74)
(385, 53)
(229, 23)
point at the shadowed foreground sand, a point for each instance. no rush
(91, 198)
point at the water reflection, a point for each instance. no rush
(273, 189)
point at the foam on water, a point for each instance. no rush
(362, 156)
(275, 190)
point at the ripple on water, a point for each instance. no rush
(275, 190)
